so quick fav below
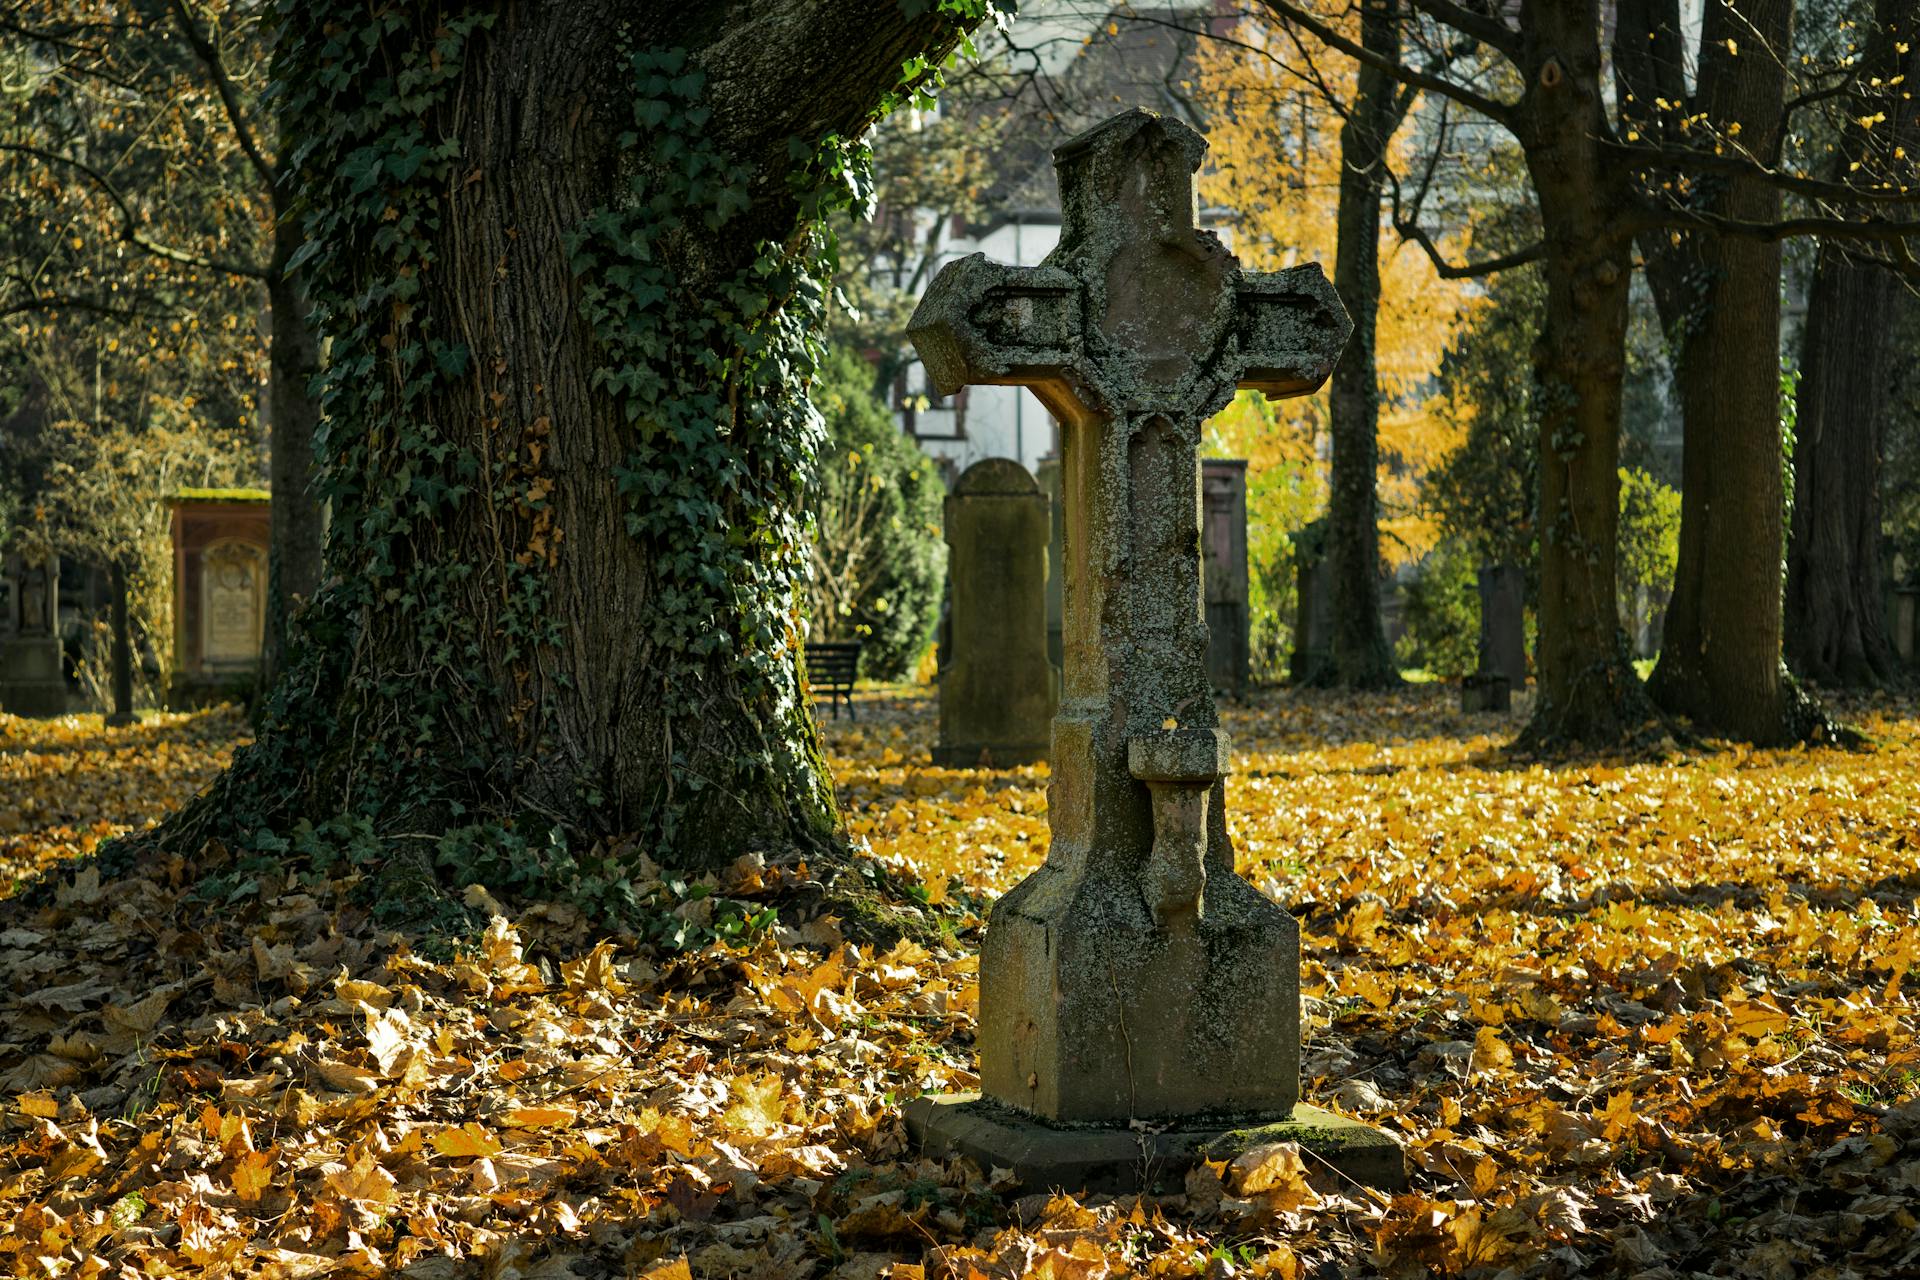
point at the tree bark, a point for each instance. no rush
(1361, 658)
(122, 713)
(492, 643)
(1719, 298)
(1835, 621)
(298, 522)
(1587, 691)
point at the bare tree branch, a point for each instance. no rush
(1488, 30)
(209, 56)
(1502, 112)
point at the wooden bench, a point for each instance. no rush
(832, 667)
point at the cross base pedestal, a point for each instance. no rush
(1125, 1160)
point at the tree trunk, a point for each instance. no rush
(565, 436)
(1361, 658)
(1719, 297)
(122, 713)
(1587, 691)
(298, 516)
(1835, 622)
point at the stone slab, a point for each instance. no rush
(30, 679)
(1044, 1157)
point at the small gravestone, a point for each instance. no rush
(31, 680)
(997, 689)
(1139, 1001)
(1903, 612)
(1223, 523)
(1313, 605)
(1502, 665)
(219, 593)
(1049, 477)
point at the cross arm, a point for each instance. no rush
(988, 323)
(1290, 328)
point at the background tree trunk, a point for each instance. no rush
(559, 579)
(122, 713)
(1835, 622)
(1719, 298)
(298, 526)
(1587, 691)
(1361, 658)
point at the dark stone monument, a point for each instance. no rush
(997, 689)
(1049, 476)
(219, 593)
(31, 680)
(1502, 665)
(1135, 977)
(1223, 508)
(1313, 604)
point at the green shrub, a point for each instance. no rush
(1442, 613)
(878, 558)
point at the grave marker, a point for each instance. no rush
(1223, 493)
(1135, 976)
(220, 540)
(997, 689)
(32, 682)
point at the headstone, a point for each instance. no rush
(1313, 604)
(32, 682)
(1906, 622)
(1903, 610)
(1049, 476)
(1502, 664)
(219, 593)
(1223, 506)
(997, 689)
(1135, 977)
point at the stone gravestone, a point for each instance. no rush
(1313, 605)
(1502, 665)
(997, 689)
(1223, 505)
(31, 680)
(1049, 477)
(219, 593)
(1135, 977)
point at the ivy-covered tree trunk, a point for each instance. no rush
(1719, 299)
(569, 262)
(1587, 690)
(1360, 658)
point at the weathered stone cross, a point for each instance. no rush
(1135, 975)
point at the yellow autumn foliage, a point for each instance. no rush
(1275, 170)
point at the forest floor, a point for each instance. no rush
(1632, 1018)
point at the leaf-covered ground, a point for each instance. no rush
(1632, 1019)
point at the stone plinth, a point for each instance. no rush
(1223, 500)
(1135, 976)
(1046, 1157)
(220, 541)
(997, 689)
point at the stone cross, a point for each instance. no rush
(1135, 975)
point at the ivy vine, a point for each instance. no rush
(710, 380)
